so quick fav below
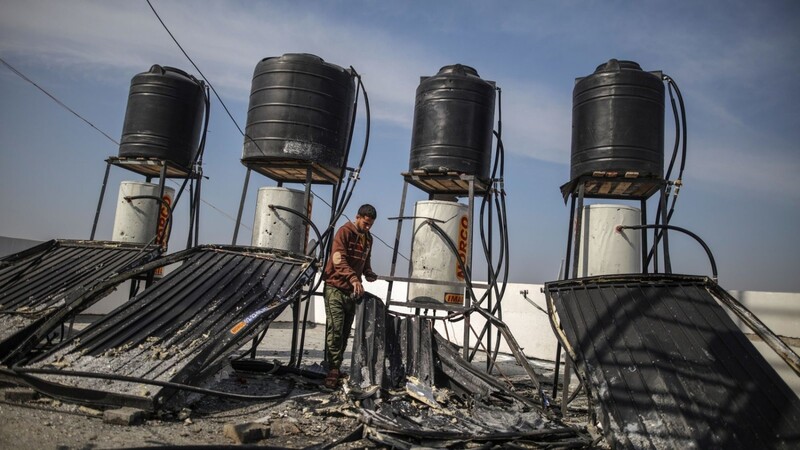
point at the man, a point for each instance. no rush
(348, 261)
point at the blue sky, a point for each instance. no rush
(736, 63)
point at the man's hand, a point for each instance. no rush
(358, 289)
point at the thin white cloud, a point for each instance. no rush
(744, 164)
(224, 39)
(537, 121)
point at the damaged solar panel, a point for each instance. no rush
(33, 282)
(666, 367)
(176, 331)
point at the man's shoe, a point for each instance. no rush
(332, 379)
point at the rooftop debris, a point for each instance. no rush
(175, 332)
(666, 367)
(430, 396)
(34, 283)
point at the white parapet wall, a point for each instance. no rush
(780, 311)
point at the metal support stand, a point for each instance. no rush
(241, 207)
(458, 185)
(604, 187)
(292, 171)
(565, 385)
(293, 359)
(150, 167)
(468, 271)
(397, 242)
(100, 201)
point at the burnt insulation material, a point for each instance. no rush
(179, 328)
(396, 352)
(387, 348)
(34, 282)
(666, 367)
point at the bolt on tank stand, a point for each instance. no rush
(609, 186)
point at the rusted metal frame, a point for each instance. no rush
(570, 354)
(468, 268)
(241, 206)
(100, 201)
(754, 323)
(396, 243)
(519, 355)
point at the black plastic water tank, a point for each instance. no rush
(164, 118)
(618, 121)
(453, 122)
(301, 109)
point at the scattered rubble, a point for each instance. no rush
(124, 416)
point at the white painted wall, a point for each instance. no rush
(780, 311)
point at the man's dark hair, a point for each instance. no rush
(367, 210)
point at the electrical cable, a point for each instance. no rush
(21, 75)
(60, 103)
(196, 68)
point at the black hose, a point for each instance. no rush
(308, 221)
(682, 230)
(680, 125)
(346, 194)
(301, 216)
(168, 223)
(677, 129)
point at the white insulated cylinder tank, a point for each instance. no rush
(432, 258)
(278, 229)
(602, 249)
(136, 219)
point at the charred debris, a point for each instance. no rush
(163, 349)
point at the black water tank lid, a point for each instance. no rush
(304, 57)
(163, 70)
(458, 69)
(615, 65)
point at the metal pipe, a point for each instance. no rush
(241, 207)
(397, 240)
(578, 226)
(100, 201)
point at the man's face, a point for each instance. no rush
(364, 223)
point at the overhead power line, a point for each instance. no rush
(223, 103)
(196, 68)
(21, 75)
